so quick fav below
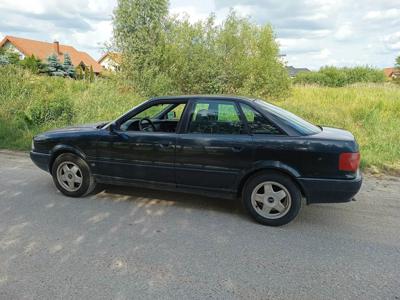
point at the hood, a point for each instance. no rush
(83, 127)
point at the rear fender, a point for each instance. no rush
(266, 165)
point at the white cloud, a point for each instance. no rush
(344, 32)
(383, 14)
(392, 41)
(323, 54)
(312, 33)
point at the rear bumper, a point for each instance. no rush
(41, 160)
(330, 190)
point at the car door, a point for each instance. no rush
(138, 155)
(214, 148)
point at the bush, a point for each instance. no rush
(167, 55)
(339, 77)
(46, 111)
(30, 104)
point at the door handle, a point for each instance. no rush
(237, 149)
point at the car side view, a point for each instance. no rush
(221, 146)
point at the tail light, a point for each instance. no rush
(349, 161)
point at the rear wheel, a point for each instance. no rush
(271, 198)
(72, 176)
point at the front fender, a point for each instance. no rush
(62, 148)
(67, 148)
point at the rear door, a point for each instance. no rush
(215, 146)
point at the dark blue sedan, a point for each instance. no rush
(215, 145)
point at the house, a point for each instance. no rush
(110, 61)
(42, 50)
(392, 72)
(292, 71)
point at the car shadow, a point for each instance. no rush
(179, 199)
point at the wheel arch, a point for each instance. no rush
(61, 149)
(271, 167)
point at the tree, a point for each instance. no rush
(8, 57)
(397, 68)
(68, 67)
(139, 33)
(33, 64)
(79, 72)
(91, 74)
(4, 60)
(86, 73)
(169, 55)
(55, 68)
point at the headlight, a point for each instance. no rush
(33, 145)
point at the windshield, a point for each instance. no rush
(290, 119)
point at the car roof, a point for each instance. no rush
(208, 97)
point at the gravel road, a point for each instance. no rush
(126, 243)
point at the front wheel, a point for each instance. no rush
(72, 176)
(272, 198)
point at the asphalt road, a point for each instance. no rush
(126, 243)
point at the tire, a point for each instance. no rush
(264, 191)
(72, 176)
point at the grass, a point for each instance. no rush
(29, 104)
(370, 111)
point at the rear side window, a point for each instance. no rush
(257, 123)
(215, 117)
(291, 120)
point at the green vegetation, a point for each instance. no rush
(167, 55)
(370, 111)
(30, 104)
(397, 66)
(52, 66)
(68, 67)
(339, 77)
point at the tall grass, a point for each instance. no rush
(30, 104)
(370, 111)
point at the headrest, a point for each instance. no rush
(205, 115)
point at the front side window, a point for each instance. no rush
(156, 118)
(215, 117)
(152, 111)
(257, 123)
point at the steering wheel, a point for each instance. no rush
(141, 128)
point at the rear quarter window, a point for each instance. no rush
(289, 119)
(257, 123)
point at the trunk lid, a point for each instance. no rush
(336, 134)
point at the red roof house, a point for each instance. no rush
(42, 50)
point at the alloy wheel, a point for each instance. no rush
(271, 200)
(69, 176)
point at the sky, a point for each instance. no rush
(311, 33)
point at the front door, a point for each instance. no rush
(142, 148)
(215, 149)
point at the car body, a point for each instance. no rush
(211, 145)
